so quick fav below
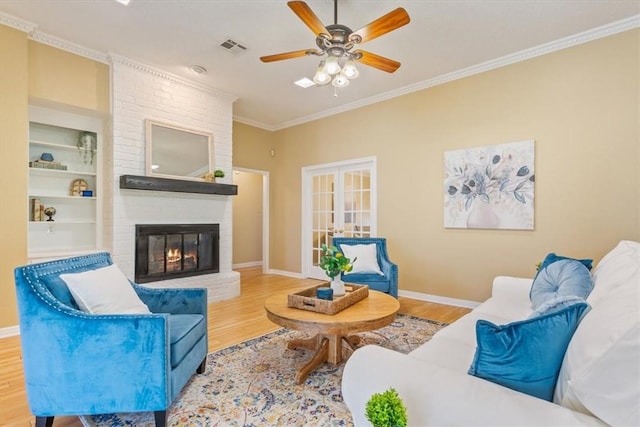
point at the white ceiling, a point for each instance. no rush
(443, 37)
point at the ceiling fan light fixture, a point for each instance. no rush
(321, 77)
(340, 81)
(332, 66)
(349, 70)
(337, 41)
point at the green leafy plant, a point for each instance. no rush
(386, 410)
(218, 173)
(87, 146)
(333, 262)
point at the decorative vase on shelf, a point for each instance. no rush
(338, 286)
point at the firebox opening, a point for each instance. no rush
(170, 251)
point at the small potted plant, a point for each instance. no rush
(87, 146)
(333, 262)
(218, 173)
(386, 410)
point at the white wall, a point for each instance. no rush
(139, 93)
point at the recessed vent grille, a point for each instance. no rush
(233, 46)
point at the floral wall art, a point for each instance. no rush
(490, 187)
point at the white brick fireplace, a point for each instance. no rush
(141, 92)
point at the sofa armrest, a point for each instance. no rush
(507, 285)
(173, 300)
(437, 396)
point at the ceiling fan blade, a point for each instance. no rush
(389, 22)
(305, 13)
(377, 61)
(286, 55)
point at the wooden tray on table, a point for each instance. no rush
(306, 299)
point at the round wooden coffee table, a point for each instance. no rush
(332, 331)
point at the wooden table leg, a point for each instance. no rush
(327, 348)
(320, 356)
(312, 343)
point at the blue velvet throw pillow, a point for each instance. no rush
(564, 277)
(526, 355)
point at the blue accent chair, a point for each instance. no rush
(77, 363)
(387, 283)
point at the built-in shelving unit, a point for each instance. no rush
(77, 224)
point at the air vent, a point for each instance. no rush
(233, 46)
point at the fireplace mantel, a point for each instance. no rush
(136, 182)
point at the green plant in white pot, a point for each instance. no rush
(386, 410)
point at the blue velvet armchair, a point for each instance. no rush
(76, 363)
(387, 283)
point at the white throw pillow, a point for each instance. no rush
(104, 291)
(604, 347)
(367, 258)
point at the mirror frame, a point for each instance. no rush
(149, 147)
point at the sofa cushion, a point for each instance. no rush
(526, 355)
(565, 277)
(600, 370)
(365, 256)
(185, 330)
(104, 291)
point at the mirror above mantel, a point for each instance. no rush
(176, 152)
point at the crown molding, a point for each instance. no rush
(68, 46)
(117, 59)
(254, 123)
(17, 23)
(563, 43)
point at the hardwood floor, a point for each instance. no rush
(230, 322)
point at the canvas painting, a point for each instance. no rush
(490, 187)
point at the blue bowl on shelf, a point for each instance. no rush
(47, 157)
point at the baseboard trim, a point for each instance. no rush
(247, 264)
(10, 331)
(285, 273)
(438, 299)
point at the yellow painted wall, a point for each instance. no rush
(13, 161)
(580, 105)
(33, 72)
(65, 78)
(247, 218)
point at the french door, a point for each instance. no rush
(339, 199)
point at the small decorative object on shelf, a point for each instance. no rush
(218, 173)
(87, 146)
(386, 410)
(46, 157)
(87, 193)
(78, 186)
(35, 210)
(50, 212)
(46, 161)
(333, 262)
(209, 177)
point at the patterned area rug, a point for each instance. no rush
(252, 384)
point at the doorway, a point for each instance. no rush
(251, 219)
(338, 199)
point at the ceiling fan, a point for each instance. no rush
(338, 41)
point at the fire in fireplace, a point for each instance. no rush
(169, 251)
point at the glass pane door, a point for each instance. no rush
(339, 201)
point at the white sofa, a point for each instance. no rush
(598, 384)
